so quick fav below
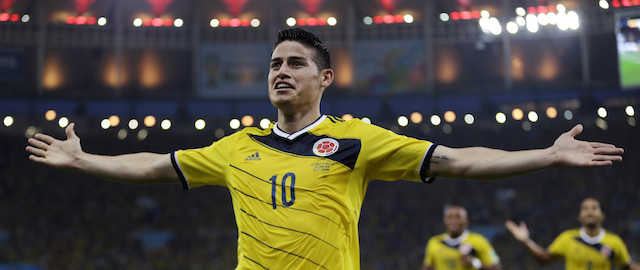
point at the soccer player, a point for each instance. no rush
(589, 247)
(297, 187)
(458, 248)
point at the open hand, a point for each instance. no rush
(56, 153)
(574, 153)
(521, 233)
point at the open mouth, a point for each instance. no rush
(283, 85)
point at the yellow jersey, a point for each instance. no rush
(593, 253)
(444, 253)
(297, 197)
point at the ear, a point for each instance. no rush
(327, 77)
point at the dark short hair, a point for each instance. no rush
(321, 57)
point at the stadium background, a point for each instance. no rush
(61, 62)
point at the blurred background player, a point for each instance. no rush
(458, 248)
(589, 247)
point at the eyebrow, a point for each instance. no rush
(290, 58)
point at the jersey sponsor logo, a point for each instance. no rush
(255, 156)
(606, 251)
(325, 147)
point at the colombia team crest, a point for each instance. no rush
(325, 147)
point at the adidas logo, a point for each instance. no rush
(255, 156)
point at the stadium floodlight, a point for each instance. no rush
(50, 115)
(435, 120)
(347, 117)
(165, 124)
(264, 123)
(133, 124)
(178, 22)
(552, 112)
(485, 24)
(214, 23)
(602, 124)
(563, 21)
(366, 120)
(367, 20)
(416, 117)
(105, 124)
(122, 134)
(495, 27)
(469, 119)
(542, 19)
(630, 111)
(8, 121)
(512, 27)
(517, 114)
(114, 120)
(573, 19)
(521, 21)
(526, 125)
(291, 21)
(31, 130)
(102, 21)
(449, 116)
(149, 121)
(200, 124)
(403, 121)
(63, 122)
(247, 120)
(561, 8)
(234, 123)
(532, 23)
(520, 11)
(485, 14)
(408, 18)
(568, 115)
(604, 4)
(137, 22)
(552, 18)
(533, 116)
(332, 21)
(25, 18)
(501, 117)
(444, 17)
(602, 112)
(142, 134)
(255, 22)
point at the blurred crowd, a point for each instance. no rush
(65, 220)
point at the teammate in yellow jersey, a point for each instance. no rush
(297, 187)
(589, 247)
(458, 248)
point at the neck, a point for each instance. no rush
(292, 122)
(592, 231)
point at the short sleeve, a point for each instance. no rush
(622, 257)
(429, 258)
(558, 247)
(203, 166)
(390, 156)
(487, 254)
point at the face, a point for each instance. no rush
(455, 220)
(294, 79)
(590, 213)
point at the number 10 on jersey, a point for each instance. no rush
(285, 202)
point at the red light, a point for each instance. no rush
(636, 2)
(80, 20)
(532, 10)
(235, 22)
(615, 3)
(301, 22)
(224, 22)
(246, 22)
(377, 19)
(388, 19)
(399, 18)
(14, 17)
(625, 3)
(322, 21)
(92, 20)
(146, 22)
(465, 15)
(475, 14)
(4, 17)
(168, 22)
(157, 22)
(455, 16)
(70, 20)
(552, 8)
(312, 21)
(542, 9)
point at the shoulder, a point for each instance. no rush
(473, 236)
(436, 239)
(571, 233)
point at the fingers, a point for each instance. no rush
(511, 226)
(39, 144)
(70, 132)
(576, 130)
(523, 225)
(45, 138)
(37, 159)
(36, 151)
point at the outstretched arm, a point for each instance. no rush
(484, 163)
(138, 168)
(521, 233)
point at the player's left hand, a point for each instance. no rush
(570, 152)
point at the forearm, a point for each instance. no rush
(138, 168)
(482, 163)
(538, 252)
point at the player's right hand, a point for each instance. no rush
(56, 153)
(520, 232)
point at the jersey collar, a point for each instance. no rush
(292, 136)
(456, 241)
(592, 240)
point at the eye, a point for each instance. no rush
(297, 64)
(275, 65)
